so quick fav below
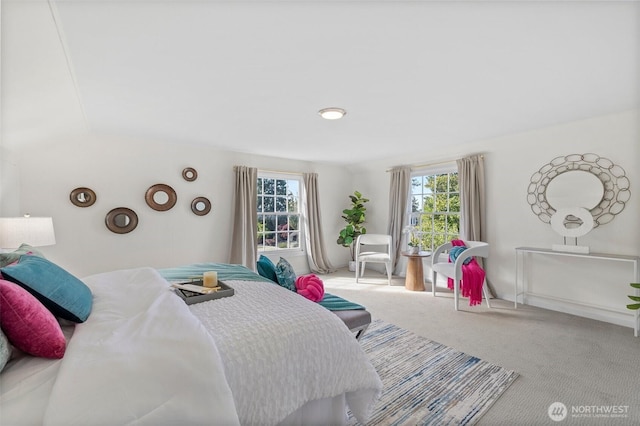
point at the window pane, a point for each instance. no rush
(429, 184)
(454, 203)
(269, 186)
(281, 204)
(259, 186)
(269, 223)
(442, 183)
(441, 203)
(428, 204)
(416, 185)
(281, 187)
(453, 182)
(268, 204)
(260, 200)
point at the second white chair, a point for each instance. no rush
(362, 256)
(453, 270)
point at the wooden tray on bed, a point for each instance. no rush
(191, 297)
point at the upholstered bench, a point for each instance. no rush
(357, 320)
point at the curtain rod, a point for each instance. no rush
(279, 172)
(419, 166)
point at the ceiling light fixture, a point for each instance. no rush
(332, 113)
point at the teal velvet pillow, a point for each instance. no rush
(63, 294)
(454, 252)
(266, 268)
(9, 258)
(286, 275)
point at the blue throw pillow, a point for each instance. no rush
(286, 275)
(266, 268)
(454, 252)
(63, 294)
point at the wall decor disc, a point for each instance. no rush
(121, 220)
(200, 206)
(161, 197)
(190, 174)
(82, 197)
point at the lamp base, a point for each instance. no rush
(570, 249)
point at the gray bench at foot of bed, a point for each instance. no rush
(357, 320)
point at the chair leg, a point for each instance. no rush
(433, 283)
(456, 291)
(357, 269)
(486, 294)
(362, 271)
(388, 265)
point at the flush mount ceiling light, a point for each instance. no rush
(332, 113)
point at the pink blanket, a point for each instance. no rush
(472, 279)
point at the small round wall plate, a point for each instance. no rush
(200, 206)
(161, 197)
(82, 197)
(121, 220)
(190, 174)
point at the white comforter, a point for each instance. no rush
(141, 358)
(281, 350)
(144, 358)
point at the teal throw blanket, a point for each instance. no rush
(239, 272)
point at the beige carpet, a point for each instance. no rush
(587, 365)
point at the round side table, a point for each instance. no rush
(415, 272)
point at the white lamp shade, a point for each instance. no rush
(35, 231)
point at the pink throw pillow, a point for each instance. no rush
(311, 287)
(28, 325)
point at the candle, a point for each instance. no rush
(210, 279)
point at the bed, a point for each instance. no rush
(264, 356)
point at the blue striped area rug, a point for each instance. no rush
(427, 383)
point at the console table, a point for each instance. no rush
(521, 265)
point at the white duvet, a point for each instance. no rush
(141, 358)
(281, 350)
(145, 358)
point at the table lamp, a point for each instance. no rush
(35, 231)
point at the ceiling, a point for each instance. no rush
(250, 76)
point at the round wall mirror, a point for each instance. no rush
(82, 197)
(585, 181)
(200, 206)
(189, 174)
(161, 197)
(576, 188)
(121, 220)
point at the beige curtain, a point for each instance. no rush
(398, 198)
(318, 260)
(245, 218)
(472, 201)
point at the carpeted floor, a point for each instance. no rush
(580, 362)
(427, 383)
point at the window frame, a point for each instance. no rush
(415, 218)
(275, 250)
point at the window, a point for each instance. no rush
(279, 225)
(435, 208)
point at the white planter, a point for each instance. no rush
(352, 265)
(413, 250)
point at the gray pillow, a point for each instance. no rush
(14, 256)
(5, 350)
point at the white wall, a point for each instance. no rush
(510, 161)
(120, 171)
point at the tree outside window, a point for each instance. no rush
(435, 208)
(278, 207)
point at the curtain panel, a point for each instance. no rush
(245, 218)
(316, 254)
(399, 187)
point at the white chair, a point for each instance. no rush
(453, 270)
(364, 257)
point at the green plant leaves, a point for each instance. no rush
(634, 306)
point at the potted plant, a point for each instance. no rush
(413, 241)
(634, 306)
(355, 218)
